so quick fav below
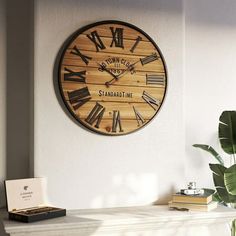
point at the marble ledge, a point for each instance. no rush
(113, 220)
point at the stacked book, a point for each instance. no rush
(200, 202)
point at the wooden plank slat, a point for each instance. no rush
(115, 93)
(106, 126)
(126, 110)
(104, 31)
(94, 76)
(143, 48)
(110, 60)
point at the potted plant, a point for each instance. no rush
(225, 177)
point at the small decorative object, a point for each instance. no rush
(25, 201)
(192, 190)
(112, 77)
(225, 177)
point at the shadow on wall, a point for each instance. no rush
(2, 231)
(213, 12)
(19, 107)
(19, 91)
(143, 189)
(130, 5)
(128, 188)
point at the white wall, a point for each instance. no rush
(82, 171)
(210, 78)
(2, 98)
(88, 170)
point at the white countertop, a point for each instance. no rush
(127, 218)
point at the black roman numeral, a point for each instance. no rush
(77, 52)
(153, 102)
(117, 37)
(79, 97)
(96, 115)
(95, 38)
(138, 116)
(155, 80)
(138, 39)
(149, 59)
(76, 76)
(116, 122)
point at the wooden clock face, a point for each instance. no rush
(112, 77)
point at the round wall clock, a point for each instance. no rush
(112, 77)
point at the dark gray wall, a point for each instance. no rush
(16, 90)
(19, 87)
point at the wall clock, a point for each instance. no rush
(112, 77)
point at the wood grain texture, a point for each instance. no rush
(94, 76)
(116, 93)
(100, 57)
(124, 96)
(104, 31)
(144, 48)
(127, 111)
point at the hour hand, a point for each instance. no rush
(103, 68)
(129, 68)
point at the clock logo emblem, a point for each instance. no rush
(26, 188)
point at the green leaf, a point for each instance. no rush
(209, 191)
(216, 198)
(227, 131)
(233, 228)
(218, 177)
(230, 179)
(211, 150)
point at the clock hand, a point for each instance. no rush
(121, 74)
(110, 81)
(152, 57)
(103, 68)
(129, 68)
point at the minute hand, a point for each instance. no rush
(121, 74)
(109, 72)
(129, 68)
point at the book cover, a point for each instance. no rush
(200, 198)
(192, 206)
